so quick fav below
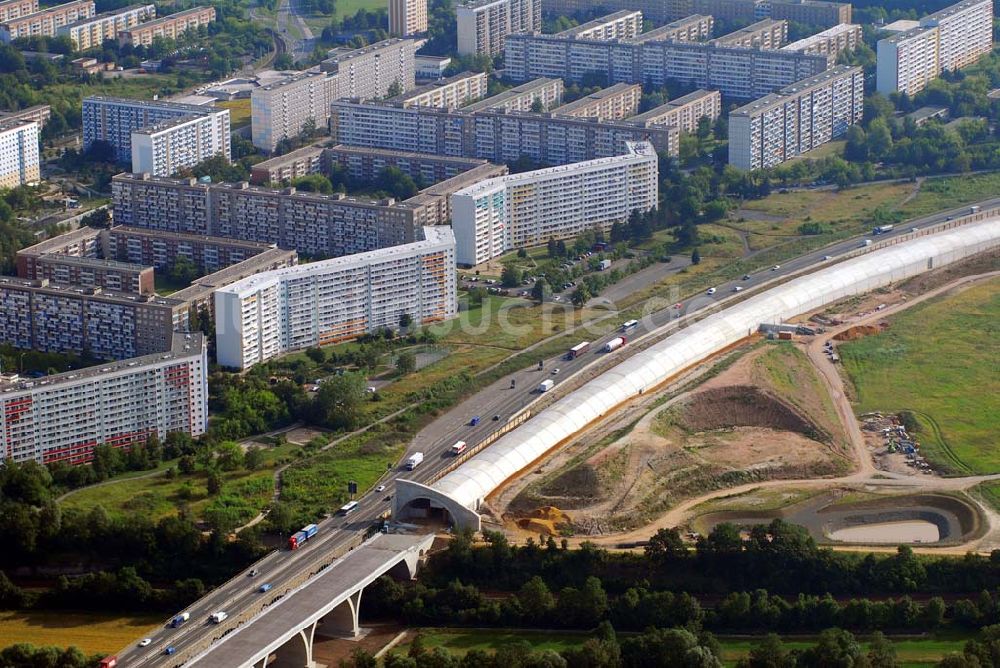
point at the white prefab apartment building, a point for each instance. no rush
(47, 21)
(521, 210)
(282, 110)
(19, 163)
(91, 33)
(946, 40)
(63, 416)
(118, 120)
(166, 148)
(483, 25)
(15, 9)
(796, 119)
(324, 302)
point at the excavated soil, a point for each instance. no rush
(861, 331)
(734, 429)
(741, 406)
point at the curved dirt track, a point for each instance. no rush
(866, 476)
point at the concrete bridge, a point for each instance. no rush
(328, 605)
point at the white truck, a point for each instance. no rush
(414, 461)
(546, 385)
(615, 344)
(218, 617)
(458, 448)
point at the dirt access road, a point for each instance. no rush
(866, 474)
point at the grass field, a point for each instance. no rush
(938, 359)
(158, 496)
(910, 651)
(92, 632)
(951, 191)
(239, 112)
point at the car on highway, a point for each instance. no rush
(555, 371)
(266, 587)
(170, 650)
(145, 642)
(380, 488)
(370, 389)
(710, 291)
(827, 257)
(914, 229)
(474, 421)
(776, 267)
(253, 572)
(737, 288)
(678, 305)
(746, 277)
(496, 418)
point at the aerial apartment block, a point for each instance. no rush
(520, 210)
(491, 135)
(946, 40)
(169, 146)
(738, 72)
(87, 272)
(764, 34)
(45, 22)
(118, 120)
(39, 113)
(282, 169)
(62, 417)
(19, 159)
(282, 110)
(106, 324)
(366, 164)
(168, 27)
(407, 17)
(372, 71)
(796, 119)
(832, 41)
(683, 112)
(453, 92)
(623, 24)
(608, 104)
(15, 9)
(808, 12)
(694, 28)
(483, 25)
(324, 302)
(309, 223)
(547, 92)
(91, 33)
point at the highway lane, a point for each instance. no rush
(281, 567)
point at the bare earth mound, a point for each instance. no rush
(743, 406)
(749, 423)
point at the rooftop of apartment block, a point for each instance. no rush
(657, 33)
(806, 42)
(594, 97)
(432, 237)
(13, 282)
(152, 104)
(182, 237)
(600, 21)
(500, 98)
(671, 105)
(182, 345)
(633, 148)
(340, 55)
(440, 83)
(796, 88)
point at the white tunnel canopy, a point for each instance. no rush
(477, 478)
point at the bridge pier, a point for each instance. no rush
(297, 652)
(342, 620)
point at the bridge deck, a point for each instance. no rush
(283, 620)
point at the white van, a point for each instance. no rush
(218, 617)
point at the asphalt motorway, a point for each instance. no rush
(281, 567)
